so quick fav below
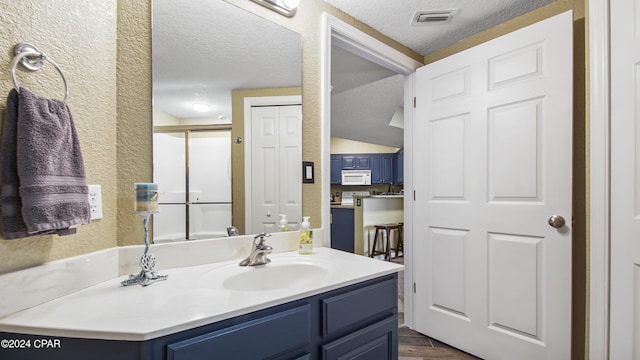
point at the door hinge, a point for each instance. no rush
(414, 195)
(414, 102)
(414, 288)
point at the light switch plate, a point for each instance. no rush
(95, 201)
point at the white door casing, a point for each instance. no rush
(599, 178)
(493, 125)
(625, 181)
(276, 170)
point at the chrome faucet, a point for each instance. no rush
(232, 231)
(259, 252)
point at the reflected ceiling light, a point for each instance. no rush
(283, 7)
(200, 107)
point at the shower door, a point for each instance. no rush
(193, 172)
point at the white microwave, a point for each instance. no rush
(356, 177)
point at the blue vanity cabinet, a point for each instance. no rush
(358, 321)
(382, 168)
(362, 317)
(336, 169)
(282, 332)
(350, 318)
(378, 341)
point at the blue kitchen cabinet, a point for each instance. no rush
(336, 169)
(356, 162)
(359, 321)
(342, 229)
(399, 160)
(382, 168)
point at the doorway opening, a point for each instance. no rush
(347, 38)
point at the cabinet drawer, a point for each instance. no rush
(375, 342)
(257, 339)
(358, 307)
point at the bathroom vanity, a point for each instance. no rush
(326, 305)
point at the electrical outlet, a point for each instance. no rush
(95, 201)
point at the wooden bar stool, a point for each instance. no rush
(399, 242)
(381, 231)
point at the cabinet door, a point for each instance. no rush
(356, 162)
(387, 168)
(399, 167)
(348, 162)
(342, 230)
(382, 169)
(336, 169)
(376, 342)
(363, 162)
(376, 170)
(276, 334)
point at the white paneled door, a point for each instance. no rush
(625, 180)
(276, 166)
(493, 138)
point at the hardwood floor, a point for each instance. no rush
(415, 346)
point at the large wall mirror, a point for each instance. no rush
(227, 120)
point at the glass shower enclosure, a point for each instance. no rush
(193, 171)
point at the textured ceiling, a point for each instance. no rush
(364, 97)
(203, 49)
(393, 18)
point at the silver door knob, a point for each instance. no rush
(557, 221)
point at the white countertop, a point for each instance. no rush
(191, 297)
(393, 196)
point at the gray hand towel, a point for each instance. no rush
(13, 226)
(52, 192)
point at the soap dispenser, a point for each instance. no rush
(284, 223)
(306, 237)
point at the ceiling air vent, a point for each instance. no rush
(432, 17)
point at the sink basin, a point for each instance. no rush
(275, 276)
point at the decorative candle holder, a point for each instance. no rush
(146, 203)
(146, 197)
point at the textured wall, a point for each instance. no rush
(344, 146)
(82, 40)
(134, 113)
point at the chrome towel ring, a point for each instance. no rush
(32, 59)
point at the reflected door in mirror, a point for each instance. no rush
(276, 158)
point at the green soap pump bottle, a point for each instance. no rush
(306, 237)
